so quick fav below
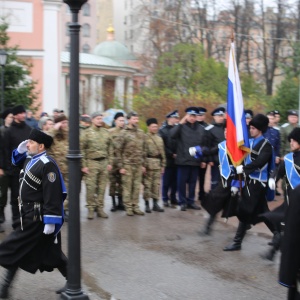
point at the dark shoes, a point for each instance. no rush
(156, 207)
(2, 216)
(183, 207)
(233, 247)
(193, 206)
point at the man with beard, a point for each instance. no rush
(170, 175)
(115, 188)
(256, 171)
(59, 150)
(130, 152)
(35, 244)
(13, 136)
(97, 151)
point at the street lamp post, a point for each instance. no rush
(3, 58)
(74, 290)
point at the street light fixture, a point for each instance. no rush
(3, 58)
(74, 290)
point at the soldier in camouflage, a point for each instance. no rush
(97, 151)
(59, 150)
(115, 188)
(285, 130)
(155, 164)
(130, 153)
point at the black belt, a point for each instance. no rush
(98, 158)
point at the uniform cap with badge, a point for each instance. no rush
(172, 114)
(219, 111)
(248, 114)
(202, 111)
(292, 112)
(192, 110)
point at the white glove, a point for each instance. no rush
(22, 147)
(272, 184)
(234, 190)
(239, 169)
(192, 151)
(49, 228)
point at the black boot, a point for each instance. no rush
(114, 206)
(147, 210)
(156, 207)
(210, 221)
(63, 271)
(269, 255)
(9, 276)
(120, 204)
(2, 216)
(239, 236)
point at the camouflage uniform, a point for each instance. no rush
(59, 150)
(155, 161)
(115, 188)
(97, 154)
(130, 154)
(285, 130)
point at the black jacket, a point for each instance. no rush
(187, 135)
(13, 136)
(169, 143)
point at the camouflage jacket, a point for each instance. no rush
(155, 152)
(114, 134)
(130, 147)
(59, 149)
(95, 143)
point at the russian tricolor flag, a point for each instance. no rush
(237, 141)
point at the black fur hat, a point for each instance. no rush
(41, 138)
(18, 110)
(151, 121)
(260, 122)
(295, 135)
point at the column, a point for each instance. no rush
(120, 91)
(99, 93)
(129, 93)
(51, 63)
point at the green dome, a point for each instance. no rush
(114, 50)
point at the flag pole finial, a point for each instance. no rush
(232, 36)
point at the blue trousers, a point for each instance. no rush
(186, 178)
(169, 183)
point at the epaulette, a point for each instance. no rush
(276, 127)
(44, 159)
(209, 127)
(285, 125)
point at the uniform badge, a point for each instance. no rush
(51, 176)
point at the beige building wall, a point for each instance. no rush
(105, 17)
(88, 30)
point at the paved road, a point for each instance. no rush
(162, 256)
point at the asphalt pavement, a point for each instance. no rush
(161, 256)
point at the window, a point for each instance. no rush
(86, 11)
(67, 48)
(86, 30)
(86, 48)
(67, 29)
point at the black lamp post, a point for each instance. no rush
(3, 58)
(74, 290)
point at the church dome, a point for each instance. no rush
(113, 49)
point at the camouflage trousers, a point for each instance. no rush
(115, 187)
(131, 184)
(96, 182)
(151, 181)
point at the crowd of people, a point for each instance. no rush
(171, 163)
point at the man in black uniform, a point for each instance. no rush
(13, 136)
(170, 175)
(214, 136)
(188, 133)
(35, 244)
(256, 171)
(203, 166)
